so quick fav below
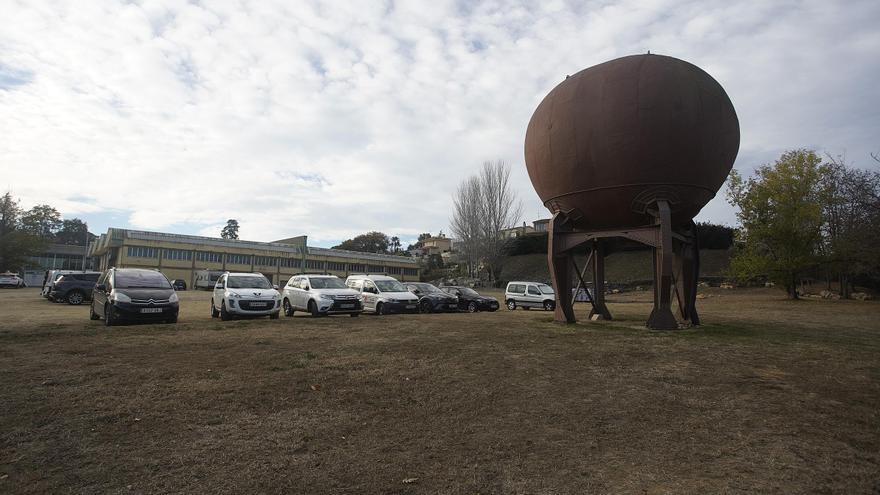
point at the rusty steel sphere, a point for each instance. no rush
(610, 140)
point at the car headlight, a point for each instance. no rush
(119, 297)
(173, 298)
(233, 294)
(326, 297)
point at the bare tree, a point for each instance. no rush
(466, 222)
(485, 205)
(501, 210)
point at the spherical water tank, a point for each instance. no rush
(608, 141)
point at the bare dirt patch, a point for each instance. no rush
(767, 396)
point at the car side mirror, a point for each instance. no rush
(275, 286)
(101, 288)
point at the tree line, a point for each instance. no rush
(807, 217)
(25, 233)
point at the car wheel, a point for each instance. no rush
(108, 316)
(472, 307)
(425, 306)
(274, 316)
(354, 315)
(224, 315)
(92, 314)
(548, 305)
(511, 304)
(75, 298)
(313, 309)
(214, 312)
(380, 309)
(288, 309)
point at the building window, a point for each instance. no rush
(238, 259)
(395, 270)
(411, 272)
(375, 268)
(314, 264)
(357, 268)
(336, 266)
(208, 257)
(142, 252)
(290, 262)
(264, 260)
(176, 254)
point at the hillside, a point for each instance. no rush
(627, 267)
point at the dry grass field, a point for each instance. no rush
(769, 396)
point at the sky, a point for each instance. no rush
(334, 119)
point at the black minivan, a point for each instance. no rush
(134, 294)
(74, 288)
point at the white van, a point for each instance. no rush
(381, 294)
(530, 295)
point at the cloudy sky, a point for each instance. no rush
(331, 119)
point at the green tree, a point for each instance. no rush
(42, 221)
(395, 244)
(74, 232)
(371, 242)
(230, 231)
(780, 213)
(16, 244)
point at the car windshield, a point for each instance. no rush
(390, 286)
(427, 288)
(327, 283)
(248, 282)
(545, 289)
(468, 292)
(141, 280)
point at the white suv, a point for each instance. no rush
(381, 294)
(320, 295)
(530, 295)
(245, 294)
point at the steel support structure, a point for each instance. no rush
(675, 259)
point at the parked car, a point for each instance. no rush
(320, 295)
(432, 299)
(52, 277)
(245, 294)
(11, 280)
(74, 288)
(471, 300)
(133, 294)
(178, 284)
(529, 295)
(381, 294)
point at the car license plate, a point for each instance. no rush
(410, 306)
(258, 305)
(151, 310)
(346, 306)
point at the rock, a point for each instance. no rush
(861, 296)
(615, 291)
(702, 296)
(726, 285)
(769, 284)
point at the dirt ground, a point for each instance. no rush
(768, 396)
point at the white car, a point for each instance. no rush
(381, 294)
(529, 295)
(320, 295)
(244, 294)
(9, 279)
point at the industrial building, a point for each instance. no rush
(181, 256)
(56, 257)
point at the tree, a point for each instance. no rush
(714, 236)
(16, 244)
(484, 206)
(230, 231)
(41, 221)
(395, 244)
(420, 241)
(74, 232)
(780, 213)
(371, 242)
(851, 211)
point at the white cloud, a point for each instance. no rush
(335, 119)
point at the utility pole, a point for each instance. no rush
(86, 250)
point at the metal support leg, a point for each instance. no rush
(561, 274)
(599, 307)
(661, 317)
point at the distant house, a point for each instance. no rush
(517, 231)
(437, 245)
(541, 225)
